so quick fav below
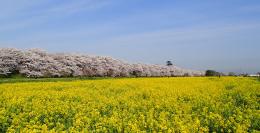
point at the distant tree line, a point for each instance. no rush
(39, 63)
(215, 73)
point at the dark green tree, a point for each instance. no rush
(169, 63)
(212, 73)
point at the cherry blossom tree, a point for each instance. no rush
(39, 63)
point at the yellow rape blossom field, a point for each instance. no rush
(184, 104)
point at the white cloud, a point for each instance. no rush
(179, 36)
(250, 8)
(43, 15)
(77, 6)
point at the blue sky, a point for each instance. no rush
(209, 34)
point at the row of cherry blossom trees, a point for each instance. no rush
(39, 63)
